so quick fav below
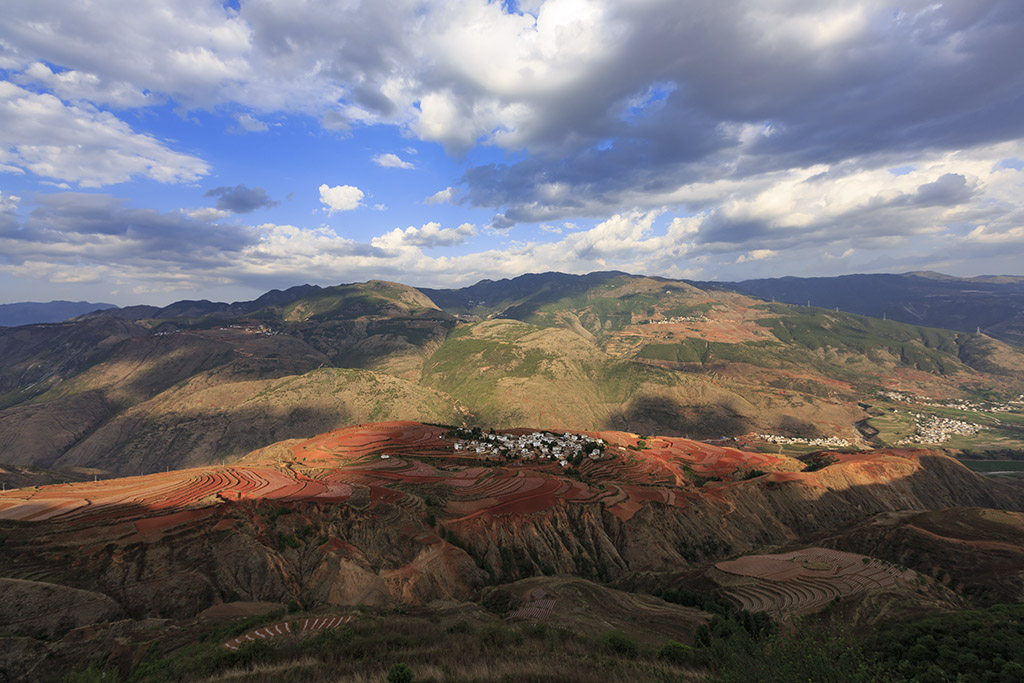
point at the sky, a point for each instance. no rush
(191, 149)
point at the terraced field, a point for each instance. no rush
(284, 628)
(374, 462)
(805, 580)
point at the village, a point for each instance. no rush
(826, 442)
(676, 320)
(935, 429)
(1013, 405)
(566, 448)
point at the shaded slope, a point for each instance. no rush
(976, 551)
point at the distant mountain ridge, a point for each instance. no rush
(995, 304)
(31, 312)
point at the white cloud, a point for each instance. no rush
(340, 197)
(391, 161)
(8, 202)
(441, 196)
(146, 251)
(251, 124)
(82, 86)
(428, 236)
(756, 255)
(41, 134)
(207, 213)
(769, 126)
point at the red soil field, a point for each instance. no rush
(334, 467)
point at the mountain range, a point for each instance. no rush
(140, 389)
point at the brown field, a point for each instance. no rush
(806, 580)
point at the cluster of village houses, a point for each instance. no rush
(254, 329)
(828, 442)
(563, 448)
(1008, 407)
(248, 329)
(958, 404)
(676, 320)
(935, 429)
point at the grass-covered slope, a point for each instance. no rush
(605, 350)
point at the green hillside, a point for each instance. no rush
(602, 351)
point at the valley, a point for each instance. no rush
(552, 466)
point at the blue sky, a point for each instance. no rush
(151, 152)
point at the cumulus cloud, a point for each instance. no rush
(441, 196)
(340, 197)
(148, 251)
(251, 124)
(207, 213)
(501, 223)
(41, 134)
(391, 161)
(8, 202)
(428, 236)
(8, 212)
(768, 126)
(756, 255)
(949, 190)
(617, 103)
(73, 230)
(81, 86)
(241, 199)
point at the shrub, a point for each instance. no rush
(92, 674)
(675, 652)
(500, 601)
(400, 673)
(460, 626)
(619, 643)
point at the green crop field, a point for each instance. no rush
(986, 466)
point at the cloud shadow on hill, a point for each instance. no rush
(666, 416)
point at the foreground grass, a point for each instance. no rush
(434, 649)
(968, 646)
